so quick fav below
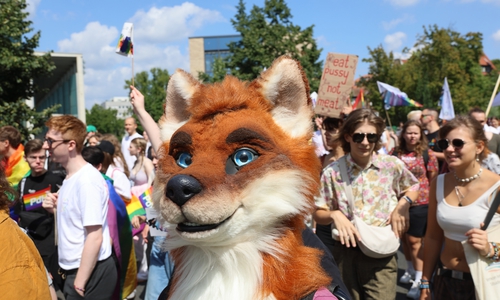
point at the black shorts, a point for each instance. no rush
(418, 220)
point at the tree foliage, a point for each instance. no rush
(154, 89)
(18, 64)
(268, 33)
(105, 120)
(219, 70)
(437, 53)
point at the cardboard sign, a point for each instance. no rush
(336, 84)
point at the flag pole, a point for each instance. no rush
(133, 71)
(493, 96)
(388, 119)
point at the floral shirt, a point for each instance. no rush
(417, 167)
(376, 189)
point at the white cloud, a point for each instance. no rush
(394, 41)
(95, 42)
(403, 2)
(496, 35)
(31, 8)
(169, 24)
(393, 23)
(160, 41)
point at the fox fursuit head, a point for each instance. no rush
(236, 179)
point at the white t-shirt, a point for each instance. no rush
(120, 181)
(82, 201)
(130, 159)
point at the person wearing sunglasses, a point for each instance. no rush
(458, 202)
(429, 120)
(382, 188)
(423, 164)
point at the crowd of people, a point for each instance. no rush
(430, 183)
(433, 186)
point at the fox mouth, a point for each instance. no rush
(195, 227)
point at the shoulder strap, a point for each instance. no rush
(21, 189)
(491, 212)
(439, 188)
(425, 155)
(347, 182)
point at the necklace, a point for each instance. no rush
(460, 195)
(463, 180)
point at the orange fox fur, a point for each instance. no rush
(259, 209)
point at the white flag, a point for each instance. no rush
(496, 101)
(447, 110)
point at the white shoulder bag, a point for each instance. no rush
(376, 241)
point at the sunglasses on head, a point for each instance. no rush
(330, 124)
(456, 143)
(360, 137)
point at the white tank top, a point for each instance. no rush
(457, 220)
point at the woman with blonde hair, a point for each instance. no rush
(142, 171)
(458, 204)
(118, 158)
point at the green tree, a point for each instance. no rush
(29, 122)
(438, 53)
(219, 70)
(18, 67)
(268, 33)
(18, 64)
(154, 89)
(105, 120)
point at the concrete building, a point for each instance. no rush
(204, 50)
(64, 86)
(121, 104)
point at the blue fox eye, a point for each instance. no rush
(184, 160)
(244, 156)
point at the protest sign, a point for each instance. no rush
(336, 84)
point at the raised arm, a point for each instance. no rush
(147, 122)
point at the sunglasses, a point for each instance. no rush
(360, 137)
(456, 143)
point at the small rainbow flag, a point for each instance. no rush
(125, 45)
(35, 200)
(145, 198)
(135, 208)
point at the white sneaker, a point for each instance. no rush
(406, 278)
(131, 296)
(414, 292)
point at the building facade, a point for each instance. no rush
(204, 50)
(64, 86)
(121, 105)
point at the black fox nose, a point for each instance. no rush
(181, 188)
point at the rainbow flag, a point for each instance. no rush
(125, 45)
(146, 199)
(35, 200)
(120, 231)
(135, 208)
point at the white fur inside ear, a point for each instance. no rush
(167, 129)
(296, 124)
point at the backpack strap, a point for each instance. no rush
(425, 155)
(21, 191)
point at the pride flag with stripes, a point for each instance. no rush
(125, 45)
(135, 208)
(146, 199)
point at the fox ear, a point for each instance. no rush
(180, 90)
(286, 87)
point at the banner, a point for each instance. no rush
(337, 80)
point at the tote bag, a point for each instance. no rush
(376, 241)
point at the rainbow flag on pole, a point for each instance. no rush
(125, 45)
(135, 208)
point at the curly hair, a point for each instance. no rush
(422, 143)
(355, 120)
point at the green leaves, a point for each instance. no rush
(105, 120)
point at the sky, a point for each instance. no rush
(162, 29)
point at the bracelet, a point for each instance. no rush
(489, 255)
(424, 281)
(424, 286)
(79, 289)
(408, 199)
(495, 249)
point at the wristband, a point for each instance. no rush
(489, 255)
(79, 289)
(408, 199)
(424, 285)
